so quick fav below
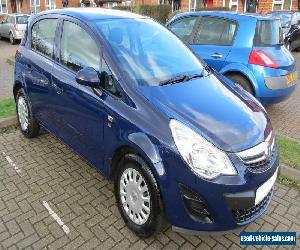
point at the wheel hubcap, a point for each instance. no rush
(135, 196)
(23, 113)
(11, 38)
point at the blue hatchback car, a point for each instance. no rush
(247, 48)
(183, 144)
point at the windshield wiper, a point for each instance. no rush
(180, 78)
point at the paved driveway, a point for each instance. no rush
(51, 197)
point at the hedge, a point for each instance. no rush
(160, 12)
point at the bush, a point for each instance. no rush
(198, 9)
(158, 12)
(125, 8)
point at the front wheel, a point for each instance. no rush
(29, 127)
(138, 197)
(12, 39)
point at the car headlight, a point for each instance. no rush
(200, 155)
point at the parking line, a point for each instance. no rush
(56, 217)
(11, 162)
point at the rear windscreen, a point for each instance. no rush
(268, 33)
(22, 19)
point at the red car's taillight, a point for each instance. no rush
(259, 57)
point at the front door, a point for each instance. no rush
(78, 111)
(213, 39)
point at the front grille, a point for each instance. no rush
(262, 165)
(258, 158)
(244, 215)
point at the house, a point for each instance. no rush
(260, 6)
(35, 6)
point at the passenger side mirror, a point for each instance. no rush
(88, 77)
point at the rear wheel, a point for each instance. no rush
(138, 197)
(12, 39)
(241, 81)
(28, 126)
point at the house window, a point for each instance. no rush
(3, 6)
(194, 5)
(282, 5)
(231, 4)
(50, 4)
(34, 6)
(162, 1)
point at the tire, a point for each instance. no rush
(128, 192)
(12, 39)
(242, 81)
(28, 125)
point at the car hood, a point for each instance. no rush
(232, 121)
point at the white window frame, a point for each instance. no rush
(232, 3)
(192, 8)
(280, 2)
(50, 6)
(163, 2)
(1, 10)
(35, 6)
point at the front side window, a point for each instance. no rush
(183, 28)
(34, 6)
(78, 48)
(268, 33)
(146, 51)
(3, 6)
(42, 36)
(215, 31)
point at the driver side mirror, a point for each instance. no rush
(88, 77)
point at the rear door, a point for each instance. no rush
(213, 40)
(5, 25)
(38, 60)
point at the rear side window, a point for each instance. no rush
(42, 36)
(215, 31)
(268, 33)
(183, 28)
(78, 49)
(22, 19)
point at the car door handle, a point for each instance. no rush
(216, 55)
(110, 120)
(58, 89)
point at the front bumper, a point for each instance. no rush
(218, 197)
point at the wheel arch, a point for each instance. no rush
(17, 86)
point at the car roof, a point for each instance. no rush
(87, 14)
(228, 14)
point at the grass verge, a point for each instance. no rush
(288, 182)
(7, 107)
(289, 151)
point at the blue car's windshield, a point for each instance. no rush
(148, 52)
